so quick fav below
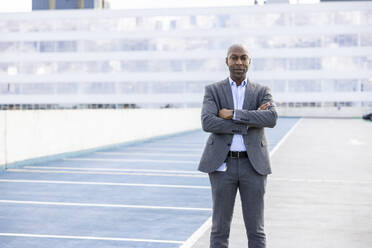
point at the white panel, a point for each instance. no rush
(213, 33)
(182, 55)
(184, 76)
(108, 98)
(87, 13)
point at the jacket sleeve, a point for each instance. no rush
(259, 118)
(214, 124)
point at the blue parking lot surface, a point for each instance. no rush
(148, 194)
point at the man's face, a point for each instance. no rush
(238, 62)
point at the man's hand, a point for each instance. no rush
(226, 114)
(264, 106)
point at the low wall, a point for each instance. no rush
(2, 139)
(33, 134)
(325, 112)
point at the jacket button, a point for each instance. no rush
(229, 144)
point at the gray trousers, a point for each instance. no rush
(239, 175)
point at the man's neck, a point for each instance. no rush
(238, 81)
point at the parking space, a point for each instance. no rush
(143, 195)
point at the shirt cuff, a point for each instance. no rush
(223, 167)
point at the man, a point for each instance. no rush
(235, 112)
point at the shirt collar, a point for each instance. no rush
(232, 83)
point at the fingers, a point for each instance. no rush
(221, 112)
(264, 106)
(225, 114)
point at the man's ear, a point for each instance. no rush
(227, 59)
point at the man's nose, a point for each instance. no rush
(239, 61)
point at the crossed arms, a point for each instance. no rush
(222, 121)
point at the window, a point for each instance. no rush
(304, 86)
(66, 46)
(47, 46)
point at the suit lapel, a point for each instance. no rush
(228, 93)
(248, 96)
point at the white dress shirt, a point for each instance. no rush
(238, 92)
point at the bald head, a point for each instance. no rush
(237, 48)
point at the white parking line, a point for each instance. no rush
(285, 137)
(309, 180)
(105, 184)
(152, 154)
(106, 173)
(161, 149)
(197, 234)
(131, 160)
(76, 204)
(177, 145)
(111, 169)
(89, 238)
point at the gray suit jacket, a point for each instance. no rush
(218, 96)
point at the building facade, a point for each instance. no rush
(68, 4)
(309, 55)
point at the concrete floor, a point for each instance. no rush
(320, 192)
